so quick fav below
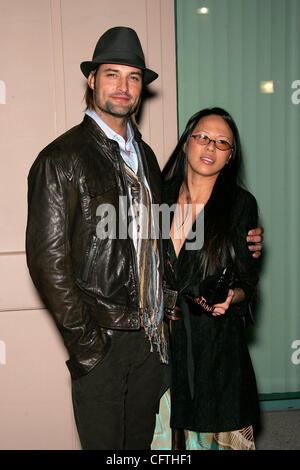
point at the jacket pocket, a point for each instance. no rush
(93, 194)
(82, 369)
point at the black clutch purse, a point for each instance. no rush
(214, 290)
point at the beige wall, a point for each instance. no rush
(41, 92)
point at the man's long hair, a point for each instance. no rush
(218, 211)
(88, 96)
(89, 93)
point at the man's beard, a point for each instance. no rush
(115, 110)
(111, 109)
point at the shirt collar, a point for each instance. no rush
(110, 133)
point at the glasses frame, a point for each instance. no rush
(215, 141)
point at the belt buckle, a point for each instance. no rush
(170, 299)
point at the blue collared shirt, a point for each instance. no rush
(131, 160)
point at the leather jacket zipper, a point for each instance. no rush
(90, 258)
(133, 252)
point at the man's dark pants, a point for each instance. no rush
(115, 404)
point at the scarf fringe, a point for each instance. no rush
(156, 337)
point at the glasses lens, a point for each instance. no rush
(201, 139)
(223, 145)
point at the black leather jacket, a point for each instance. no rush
(89, 285)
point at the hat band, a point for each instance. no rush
(119, 57)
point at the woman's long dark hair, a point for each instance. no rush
(217, 249)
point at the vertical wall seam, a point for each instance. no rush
(58, 66)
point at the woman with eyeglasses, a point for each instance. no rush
(214, 401)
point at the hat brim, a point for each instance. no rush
(148, 74)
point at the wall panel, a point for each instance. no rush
(27, 117)
(223, 58)
(35, 403)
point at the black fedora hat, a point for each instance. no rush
(119, 45)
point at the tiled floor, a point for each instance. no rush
(280, 430)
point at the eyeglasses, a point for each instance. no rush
(203, 139)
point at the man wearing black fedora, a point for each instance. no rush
(104, 292)
(103, 286)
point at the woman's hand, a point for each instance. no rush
(220, 309)
(235, 296)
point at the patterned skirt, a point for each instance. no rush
(166, 438)
(233, 440)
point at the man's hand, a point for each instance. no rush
(255, 237)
